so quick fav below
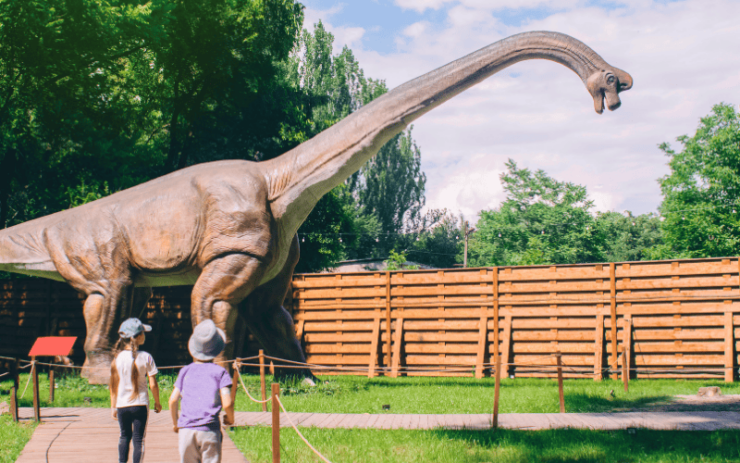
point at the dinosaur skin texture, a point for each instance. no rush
(229, 227)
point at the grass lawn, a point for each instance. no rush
(13, 437)
(351, 394)
(502, 446)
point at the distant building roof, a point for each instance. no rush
(368, 265)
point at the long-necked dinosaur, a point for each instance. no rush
(229, 227)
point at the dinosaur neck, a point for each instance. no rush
(300, 177)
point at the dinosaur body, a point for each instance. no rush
(229, 227)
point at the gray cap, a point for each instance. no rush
(207, 341)
(132, 327)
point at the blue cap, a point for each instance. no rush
(132, 328)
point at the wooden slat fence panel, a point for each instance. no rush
(684, 316)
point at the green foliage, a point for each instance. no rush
(629, 238)
(397, 261)
(542, 221)
(14, 437)
(701, 195)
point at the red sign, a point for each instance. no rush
(52, 345)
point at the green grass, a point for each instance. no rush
(13, 437)
(502, 446)
(351, 394)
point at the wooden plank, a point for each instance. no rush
(397, 343)
(506, 347)
(599, 348)
(496, 347)
(388, 313)
(729, 349)
(613, 317)
(482, 344)
(626, 356)
(374, 349)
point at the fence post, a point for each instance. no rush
(235, 382)
(626, 355)
(36, 405)
(263, 388)
(387, 320)
(560, 382)
(613, 314)
(496, 391)
(14, 403)
(275, 423)
(51, 385)
(16, 369)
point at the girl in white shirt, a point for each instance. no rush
(129, 397)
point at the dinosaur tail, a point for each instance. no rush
(22, 251)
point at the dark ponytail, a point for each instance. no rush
(114, 377)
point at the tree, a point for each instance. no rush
(701, 194)
(627, 237)
(542, 221)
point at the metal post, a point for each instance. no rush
(275, 423)
(465, 235)
(235, 382)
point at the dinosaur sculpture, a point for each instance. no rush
(229, 227)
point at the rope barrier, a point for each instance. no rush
(29, 380)
(287, 415)
(239, 373)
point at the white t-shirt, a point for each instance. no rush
(146, 366)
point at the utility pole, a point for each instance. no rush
(466, 232)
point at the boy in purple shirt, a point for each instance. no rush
(204, 388)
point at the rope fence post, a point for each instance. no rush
(35, 376)
(235, 381)
(15, 374)
(496, 390)
(275, 423)
(14, 403)
(51, 385)
(559, 358)
(262, 380)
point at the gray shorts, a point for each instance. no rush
(200, 446)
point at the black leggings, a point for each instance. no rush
(128, 418)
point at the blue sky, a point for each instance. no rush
(538, 113)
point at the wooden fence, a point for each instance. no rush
(665, 319)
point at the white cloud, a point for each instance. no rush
(421, 5)
(539, 114)
(343, 35)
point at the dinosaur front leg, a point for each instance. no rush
(222, 285)
(102, 316)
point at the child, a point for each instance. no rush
(129, 398)
(204, 388)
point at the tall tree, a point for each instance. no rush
(701, 194)
(627, 237)
(542, 221)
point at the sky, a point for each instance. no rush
(682, 56)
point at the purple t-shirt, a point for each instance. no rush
(199, 385)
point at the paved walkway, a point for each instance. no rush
(684, 421)
(89, 435)
(82, 435)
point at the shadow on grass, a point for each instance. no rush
(587, 446)
(589, 403)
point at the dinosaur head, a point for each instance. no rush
(605, 84)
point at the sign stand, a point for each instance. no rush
(49, 346)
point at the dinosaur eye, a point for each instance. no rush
(610, 80)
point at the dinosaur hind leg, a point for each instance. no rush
(270, 323)
(222, 285)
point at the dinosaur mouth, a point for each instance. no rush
(610, 100)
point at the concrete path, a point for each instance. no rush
(682, 421)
